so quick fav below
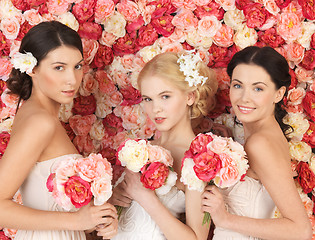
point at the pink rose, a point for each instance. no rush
(102, 190)
(124, 45)
(35, 3)
(255, 15)
(90, 48)
(163, 25)
(271, 7)
(308, 104)
(271, 38)
(82, 125)
(107, 39)
(50, 182)
(83, 10)
(21, 5)
(131, 95)
(84, 105)
(211, 9)
(207, 165)
(105, 83)
(295, 96)
(185, 20)
(289, 26)
(160, 154)
(187, 4)
(199, 144)
(162, 7)
(224, 36)
(84, 144)
(10, 27)
(308, 61)
(295, 52)
(308, 8)
(103, 57)
(4, 140)
(304, 75)
(5, 68)
(33, 17)
(146, 36)
(208, 26)
(128, 9)
(79, 191)
(57, 7)
(154, 175)
(90, 30)
(134, 26)
(228, 174)
(104, 9)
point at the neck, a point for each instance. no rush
(46, 103)
(254, 127)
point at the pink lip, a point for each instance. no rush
(159, 120)
(245, 110)
(69, 93)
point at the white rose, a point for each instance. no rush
(300, 151)
(97, 131)
(245, 37)
(65, 112)
(69, 19)
(149, 52)
(299, 124)
(308, 29)
(234, 19)
(189, 177)
(116, 25)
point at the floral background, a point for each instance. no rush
(120, 36)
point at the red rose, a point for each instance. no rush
(69, 130)
(135, 25)
(308, 104)
(112, 124)
(207, 164)
(3, 236)
(4, 140)
(50, 182)
(271, 38)
(103, 57)
(282, 3)
(308, 61)
(306, 177)
(212, 9)
(163, 25)
(35, 3)
(43, 9)
(84, 144)
(131, 96)
(124, 45)
(220, 56)
(21, 5)
(255, 14)
(109, 153)
(309, 136)
(154, 175)
(199, 144)
(84, 10)
(313, 41)
(240, 4)
(25, 27)
(223, 97)
(163, 7)
(147, 35)
(90, 30)
(79, 191)
(4, 46)
(84, 105)
(308, 8)
(294, 80)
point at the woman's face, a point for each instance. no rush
(59, 74)
(252, 93)
(165, 104)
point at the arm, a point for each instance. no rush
(272, 167)
(28, 141)
(169, 225)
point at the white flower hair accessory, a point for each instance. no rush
(25, 62)
(188, 65)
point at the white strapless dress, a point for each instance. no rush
(246, 198)
(35, 195)
(136, 224)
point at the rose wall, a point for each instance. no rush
(120, 36)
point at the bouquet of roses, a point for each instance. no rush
(212, 159)
(152, 161)
(75, 181)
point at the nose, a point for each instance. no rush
(72, 78)
(156, 107)
(245, 95)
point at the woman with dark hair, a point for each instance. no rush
(47, 73)
(259, 80)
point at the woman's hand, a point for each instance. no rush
(135, 188)
(90, 216)
(109, 230)
(120, 196)
(212, 202)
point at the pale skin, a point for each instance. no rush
(169, 108)
(37, 136)
(253, 96)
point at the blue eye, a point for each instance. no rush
(236, 85)
(165, 97)
(258, 89)
(146, 99)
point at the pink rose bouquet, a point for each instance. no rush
(212, 159)
(75, 181)
(152, 161)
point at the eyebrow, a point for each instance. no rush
(161, 93)
(66, 63)
(256, 83)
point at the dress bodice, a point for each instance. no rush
(35, 195)
(136, 224)
(246, 198)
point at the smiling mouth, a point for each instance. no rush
(245, 109)
(159, 120)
